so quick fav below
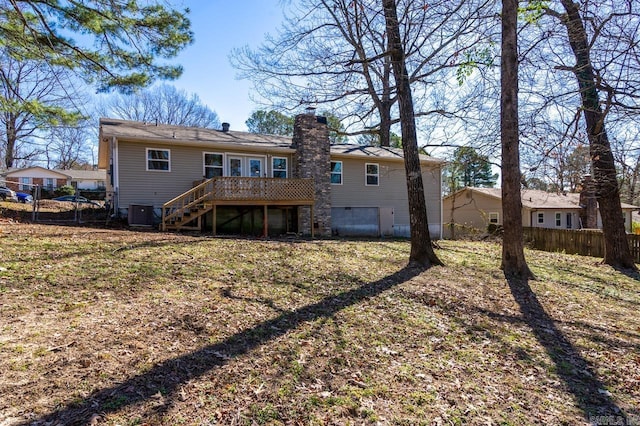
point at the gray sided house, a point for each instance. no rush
(477, 208)
(228, 182)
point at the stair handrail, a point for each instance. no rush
(177, 205)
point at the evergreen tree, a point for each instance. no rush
(469, 168)
(276, 123)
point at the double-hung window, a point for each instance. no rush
(558, 219)
(213, 165)
(159, 159)
(25, 183)
(493, 218)
(336, 172)
(372, 174)
(279, 167)
(540, 218)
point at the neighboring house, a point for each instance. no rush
(26, 178)
(225, 181)
(477, 208)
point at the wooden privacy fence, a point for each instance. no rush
(583, 242)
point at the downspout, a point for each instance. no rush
(116, 175)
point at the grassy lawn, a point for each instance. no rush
(117, 327)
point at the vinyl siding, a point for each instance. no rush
(390, 192)
(139, 186)
(471, 209)
(531, 218)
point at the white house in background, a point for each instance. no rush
(480, 207)
(23, 179)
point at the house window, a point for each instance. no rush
(493, 218)
(279, 167)
(101, 184)
(372, 174)
(540, 218)
(558, 220)
(255, 167)
(235, 166)
(213, 165)
(336, 172)
(25, 183)
(158, 159)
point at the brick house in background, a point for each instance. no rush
(223, 181)
(23, 179)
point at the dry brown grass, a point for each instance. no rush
(123, 328)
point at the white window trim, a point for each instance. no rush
(366, 174)
(146, 159)
(286, 167)
(26, 184)
(204, 164)
(45, 183)
(558, 216)
(341, 173)
(497, 215)
(263, 164)
(244, 159)
(540, 216)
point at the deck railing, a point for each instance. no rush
(262, 189)
(242, 190)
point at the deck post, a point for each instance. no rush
(213, 221)
(265, 230)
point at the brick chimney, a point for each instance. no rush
(588, 203)
(313, 160)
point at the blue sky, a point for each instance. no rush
(219, 26)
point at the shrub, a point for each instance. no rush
(64, 190)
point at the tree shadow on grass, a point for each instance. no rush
(631, 273)
(165, 379)
(589, 392)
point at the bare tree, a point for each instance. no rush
(163, 104)
(421, 249)
(33, 97)
(68, 147)
(514, 263)
(333, 53)
(617, 251)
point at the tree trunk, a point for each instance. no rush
(513, 261)
(385, 122)
(616, 253)
(421, 249)
(9, 154)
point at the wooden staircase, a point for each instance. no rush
(186, 211)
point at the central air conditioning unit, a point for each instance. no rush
(140, 215)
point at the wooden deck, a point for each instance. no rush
(182, 211)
